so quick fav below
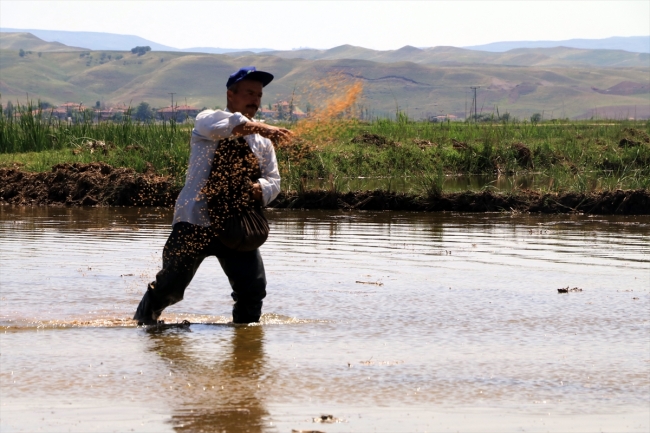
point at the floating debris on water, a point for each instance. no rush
(371, 362)
(327, 419)
(376, 283)
(569, 290)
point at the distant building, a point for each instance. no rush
(63, 111)
(104, 114)
(73, 106)
(444, 118)
(179, 112)
(282, 111)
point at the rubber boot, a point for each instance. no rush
(146, 314)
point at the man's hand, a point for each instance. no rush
(256, 192)
(273, 133)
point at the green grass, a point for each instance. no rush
(37, 144)
(567, 152)
(573, 156)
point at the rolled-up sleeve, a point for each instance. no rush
(270, 180)
(217, 125)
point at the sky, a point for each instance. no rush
(381, 25)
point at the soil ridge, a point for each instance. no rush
(99, 184)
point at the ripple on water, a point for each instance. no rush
(399, 310)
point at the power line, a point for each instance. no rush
(172, 106)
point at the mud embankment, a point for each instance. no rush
(86, 185)
(98, 184)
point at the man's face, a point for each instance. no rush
(247, 99)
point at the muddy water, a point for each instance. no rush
(391, 322)
(505, 183)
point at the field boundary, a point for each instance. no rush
(99, 184)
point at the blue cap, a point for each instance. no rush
(249, 73)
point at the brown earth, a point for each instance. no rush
(98, 184)
(631, 202)
(86, 185)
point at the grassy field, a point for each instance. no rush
(573, 156)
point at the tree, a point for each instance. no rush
(144, 112)
(140, 51)
(21, 52)
(282, 114)
(536, 118)
(98, 104)
(10, 109)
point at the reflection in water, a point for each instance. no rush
(202, 404)
(457, 183)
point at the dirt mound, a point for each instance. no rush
(87, 185)
(423, 144)
(99, 184)
(633, 137)
(524, 155)
(374, 139)
(460, 145)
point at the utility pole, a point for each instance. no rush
(172, 106)
(475, 111)
(465, 105)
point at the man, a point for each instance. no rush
(192, 238)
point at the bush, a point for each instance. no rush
(140, 51)
(144, 112)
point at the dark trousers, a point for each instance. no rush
(187, 246)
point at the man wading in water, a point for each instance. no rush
(195, 228)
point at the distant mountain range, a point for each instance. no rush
(634, 44)
(557, 82)
(114, 42)
(117, 42)
(450, 56)
(29, 42)
(540, 57)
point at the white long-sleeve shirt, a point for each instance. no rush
(210, 127)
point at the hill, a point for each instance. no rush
(420, 89)
(112, 41)
(558, 56)
(29, 42)
(635, 44)
(118, 42)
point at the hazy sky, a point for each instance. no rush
(325, 24)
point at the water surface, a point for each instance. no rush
(388, 321)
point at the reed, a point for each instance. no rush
(33, 138)
(574, 156)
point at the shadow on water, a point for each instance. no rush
(205, 406)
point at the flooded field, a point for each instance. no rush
(388, 322)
